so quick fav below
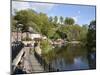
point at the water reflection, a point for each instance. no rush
(70, 57)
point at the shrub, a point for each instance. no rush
(26, 39)
(45, 46)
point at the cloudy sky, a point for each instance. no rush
(81, 14)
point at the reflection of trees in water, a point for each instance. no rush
(91, 56)
(50, 56)
(68, 53)
(72, 52)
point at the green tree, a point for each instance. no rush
(91, 36)
(83, 34)
(46, 25)
(51, 19)
(61, 19)
(45, 46)
(55, 19)
(13, 25)
(69, 21)
(34, 26)
(71, 32)
(91, 44)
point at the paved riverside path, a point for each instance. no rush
(30, 63)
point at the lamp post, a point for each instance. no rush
(19, 26)
(17, 31)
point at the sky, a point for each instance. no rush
(82, 14)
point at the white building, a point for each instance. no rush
(34, 36)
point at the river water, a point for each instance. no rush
(69, 57)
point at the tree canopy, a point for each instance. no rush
(69, 21)
(91, 36)
(52, 27)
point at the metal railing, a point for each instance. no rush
(17, 54)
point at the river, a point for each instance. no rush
(69, 57)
